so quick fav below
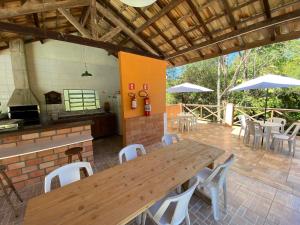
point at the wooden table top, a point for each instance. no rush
(119, 194)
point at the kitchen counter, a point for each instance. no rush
(33, 152)
(45, 127)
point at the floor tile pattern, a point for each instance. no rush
(263, 187)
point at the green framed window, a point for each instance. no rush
(81, 99)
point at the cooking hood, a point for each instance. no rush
(22, 95)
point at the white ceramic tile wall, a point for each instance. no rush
(58, 65)
(6, 79)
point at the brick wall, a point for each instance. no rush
(146, 130)
(32, 168)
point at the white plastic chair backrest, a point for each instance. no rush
(131, 152)
(242, 119)
(67, 174)
(182, 201)
(296, 127)
(219, 174)
(278, 120)
(251, 126)
(168, 139)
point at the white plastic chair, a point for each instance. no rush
(131, 152)
(254, 129)
(173, 120)
(214, 180)
(242, 119)
(278, 139)
(67, 174)
(168, 139)
(172, 209)
(278, 130)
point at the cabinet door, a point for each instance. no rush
(104, 126)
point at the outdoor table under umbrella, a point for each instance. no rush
(187, 88)
(265, 82)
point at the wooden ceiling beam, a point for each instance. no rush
(30, 8)
(45, 34)
(85, 33)
(162, 34)
(255, 27)
(160, 14)
(37, 23)
(176, 25)
(130, 25)
(269, 16)
(229, 13)
(194, 8)
(111, 34)
(106, 12)
(279, 38)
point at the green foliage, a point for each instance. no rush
(280, 58)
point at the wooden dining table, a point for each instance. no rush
(119, 194)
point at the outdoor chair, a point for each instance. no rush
(278, 130)
(278, 139)
(131, 152)
(242, 119)
(173, 120)
(168, 139)
(172, 209)
(193, 123)
(183, 124)
(255, 130)
(214, 180)
(67, 174)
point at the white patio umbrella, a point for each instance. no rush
(265, 82)
(187, 88)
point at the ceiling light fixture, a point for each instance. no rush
(86, 73)
(138, 3)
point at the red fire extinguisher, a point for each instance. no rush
(147, 105)
(133, 102)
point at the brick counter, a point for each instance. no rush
(29, 168)
(146, 130)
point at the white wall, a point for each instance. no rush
(6, 79)
(55, 65)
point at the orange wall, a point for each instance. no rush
(142, 70)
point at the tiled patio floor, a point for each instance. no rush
(262, 186)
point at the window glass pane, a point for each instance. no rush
(76, 99)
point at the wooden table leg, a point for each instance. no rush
(200, 194)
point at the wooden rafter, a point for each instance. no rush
(108, 14)
(30, 8)
(144, 15)
(37, 23)
(130, 27)
(229, 13)
(280, 38)
(200, 20)
(112, 33)
(93, 12)
(85, 33)
(160, 14)
(85, 16)
(39, 33)
(181, 31)
(264, 24)
(269, 16)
